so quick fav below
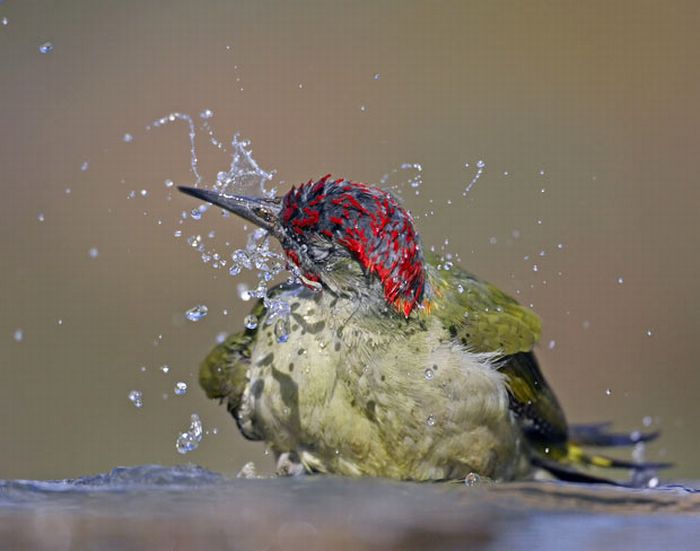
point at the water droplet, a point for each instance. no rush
(189, 441)
(180, 388)
(136, 398)
(608, 392)
(363, 108)
(196, 214)
(620, 280)
(250, 321)
(430, 421)
(40, 217)
(93, 252)
(221, 337)
(243, 292)
(650, 332)
(472, 479)
(460, 289)
(241, 258)
(5, 21)
(169, 183)
(127, 138)
(535, 268)
(177, 233)
(541, 172)
(84, 166)
(376, 76)
(653, 482)
(551, 345)
(647, 421)
(282, 330)
(165, 369)
(480, 165)
(196, 313)
(18, 335)
(206, 114)
(428, 374)
(144, 192)
(234, 270)
(46, 48)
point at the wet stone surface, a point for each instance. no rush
(189, 507)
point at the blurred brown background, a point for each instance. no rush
(600, 96)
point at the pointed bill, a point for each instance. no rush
(262, 212)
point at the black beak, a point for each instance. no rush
(264, 213)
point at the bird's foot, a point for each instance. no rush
(288, 464)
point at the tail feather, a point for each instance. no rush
(577, 455)
(570, 474)
(565, 462)
(596, 435)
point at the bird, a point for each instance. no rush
(396, 364)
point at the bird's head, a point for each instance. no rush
(349, 237)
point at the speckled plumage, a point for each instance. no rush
(348, 396)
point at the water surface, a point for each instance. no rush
(190, 507)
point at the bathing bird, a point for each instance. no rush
(395, 364)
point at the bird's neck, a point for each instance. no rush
(347, 280)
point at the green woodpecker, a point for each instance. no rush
(393, 367)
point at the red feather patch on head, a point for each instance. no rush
(370, 224)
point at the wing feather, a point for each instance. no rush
(483, 317)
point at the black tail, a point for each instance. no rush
(564, 465)
(596, 435)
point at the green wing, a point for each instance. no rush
(485, 319)
(222, 374)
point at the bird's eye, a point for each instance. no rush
(264, 214)
(321, 254)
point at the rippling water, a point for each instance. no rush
(189, 507)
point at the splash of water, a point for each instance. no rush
(183, 117)
(480, 167)
(244, 176)
(410, 174)
(189, 440)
